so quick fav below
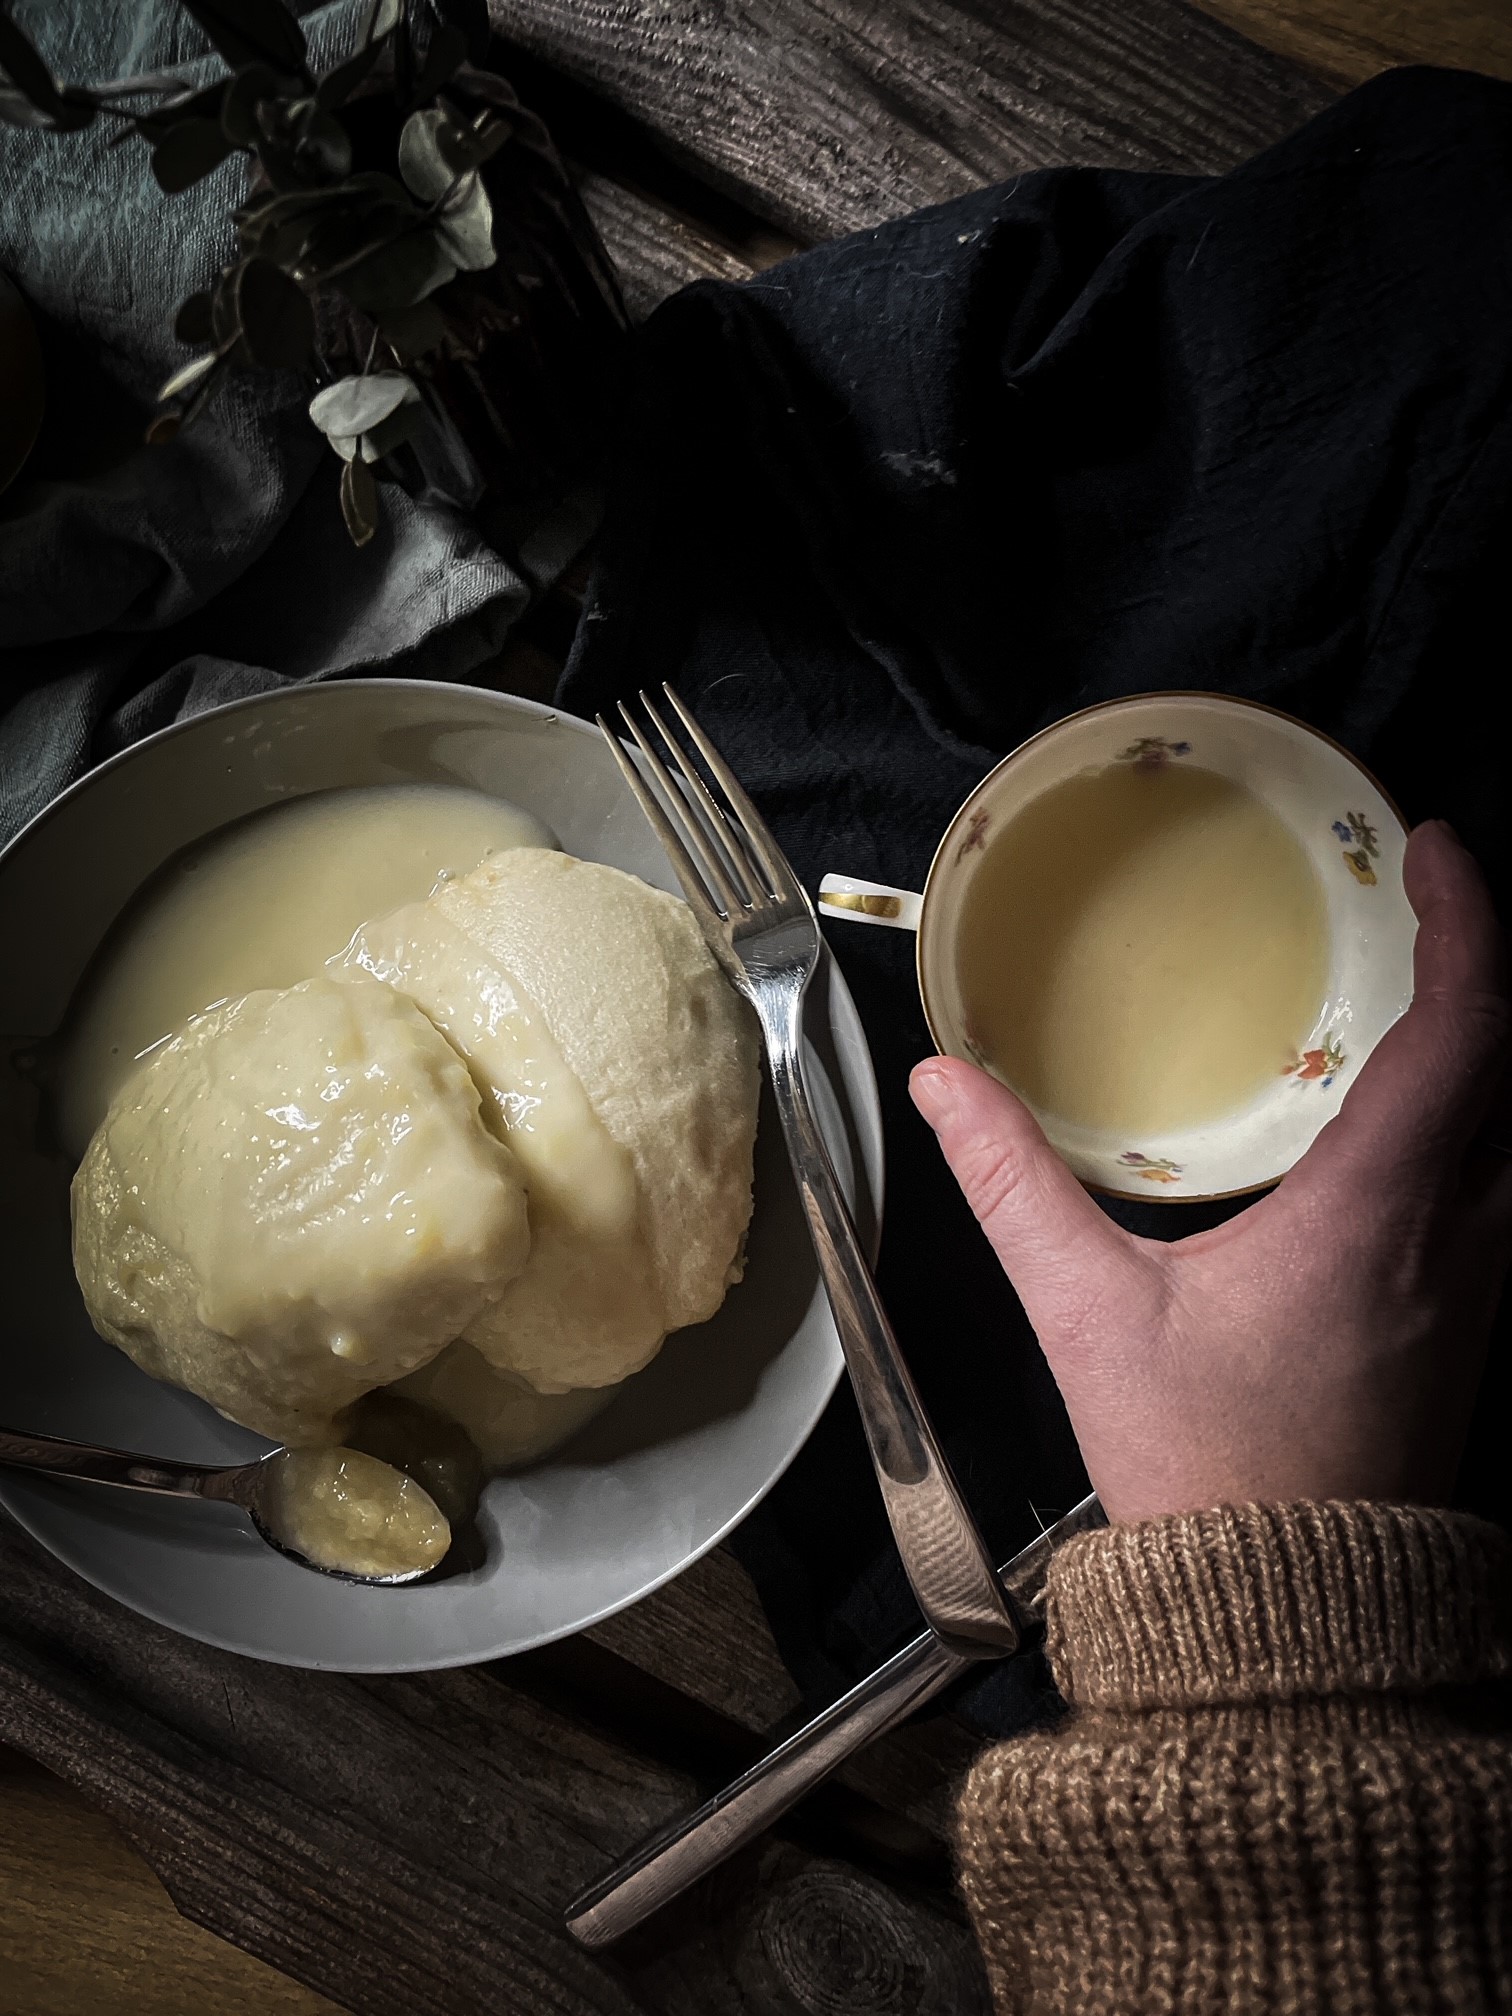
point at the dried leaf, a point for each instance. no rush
(251, 31)
(192, 373)
(277, 320)
(359, 501)
(193, 324)
(443, 59)
(353, 405)
(163, 428)
(188, 152)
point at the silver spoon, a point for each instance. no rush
(251, 1487)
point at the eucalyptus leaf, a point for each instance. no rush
(383, 18)
(422, 164)
(465, 226)
(16, 109)
(346, 445)
(193, 323)
(276, 317)
(187, 375)
(338, 85)
(202, 397)
(299, 145)
(251, 31)
(172, 83)
(246, 91)
(400, 426)
(341, 238)
(464, 147)
(412, 331)
(187, 153)
(471, 16)
(225, 315)
(398, 274)
(443, 59)
(158, 122)
(353, 405)
(359, 501)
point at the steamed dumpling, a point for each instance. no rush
(293, 1201)
(622, 1069)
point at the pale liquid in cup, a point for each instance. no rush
(1142, 950)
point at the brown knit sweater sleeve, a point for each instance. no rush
(1285, 1782)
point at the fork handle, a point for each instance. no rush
(943, 1553)
(677, 1855)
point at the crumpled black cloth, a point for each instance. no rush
(892, 506)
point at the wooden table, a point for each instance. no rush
(403, 1846)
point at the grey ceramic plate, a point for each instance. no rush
(685, 1449)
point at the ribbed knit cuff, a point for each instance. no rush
(1274, 1602)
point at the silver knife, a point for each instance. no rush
(674, 1858)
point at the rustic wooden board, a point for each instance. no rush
(405, 1845)
(830, 115)
(656, 250)
(1353, 39)
(86, 1925)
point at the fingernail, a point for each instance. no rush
(933, 1091)
(1446, 829)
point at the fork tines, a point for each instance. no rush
(743, 869)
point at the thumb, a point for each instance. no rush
(1059, 1251)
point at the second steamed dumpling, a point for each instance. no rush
(622, 1069)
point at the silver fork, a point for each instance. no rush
(761, 928)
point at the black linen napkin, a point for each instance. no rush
(892, 506)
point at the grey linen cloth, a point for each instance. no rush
(139, 584)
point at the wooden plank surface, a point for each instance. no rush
(85, 1925)
(1351, 40)
(830, 115)
(405, 1845)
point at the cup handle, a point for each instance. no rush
(869, 903)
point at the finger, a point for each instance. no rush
(1057, 1248)
(1432, 1079)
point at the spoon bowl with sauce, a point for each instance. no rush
(335, 1510)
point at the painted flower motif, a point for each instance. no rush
(1362, 845)
(1152, 752)
(1322, 1065)
(1153, 1168)
(975, 837)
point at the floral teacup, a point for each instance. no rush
(1352, 834)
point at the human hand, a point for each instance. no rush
(1328, 1341)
